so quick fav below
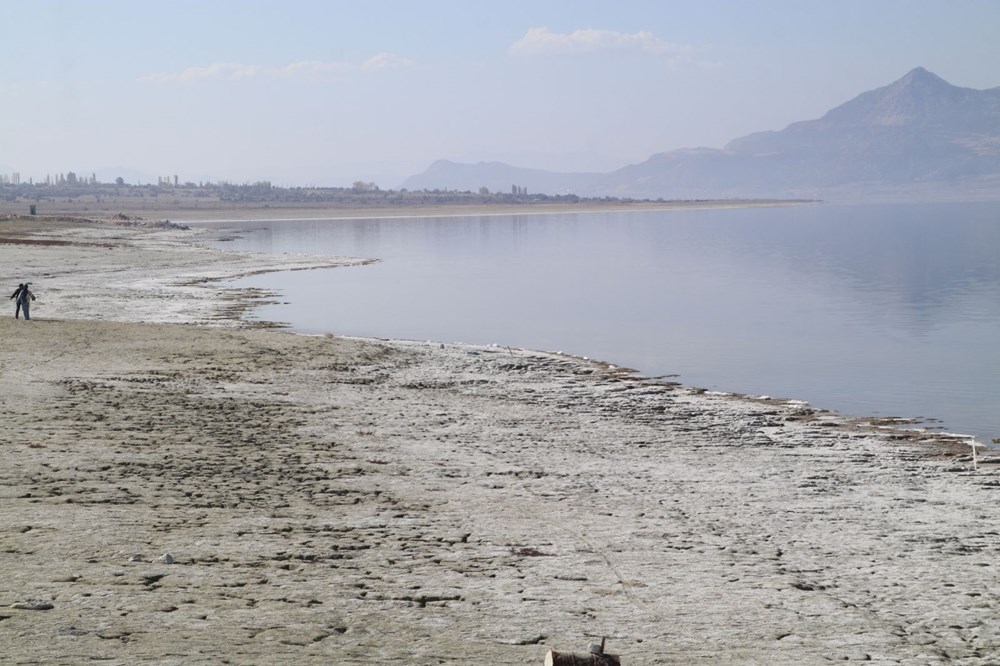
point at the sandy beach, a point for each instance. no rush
(181, 487)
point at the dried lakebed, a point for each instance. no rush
(329, 500)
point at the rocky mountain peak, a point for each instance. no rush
(920, 97)
(920, 135)
(918, 77)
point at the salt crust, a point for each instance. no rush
(332, 500)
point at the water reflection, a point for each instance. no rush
(866, 309)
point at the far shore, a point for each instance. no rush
(227, 212)
(181, 487)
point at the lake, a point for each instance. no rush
(873, 310)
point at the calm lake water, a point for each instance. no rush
(888, 310)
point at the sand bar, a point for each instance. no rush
(194, 491)
(185, 209)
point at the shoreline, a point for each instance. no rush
(324, 497)
(224, 212)
(927, 424)
(413, 212)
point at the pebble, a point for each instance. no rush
(33, 605)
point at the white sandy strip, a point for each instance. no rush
(148, 275)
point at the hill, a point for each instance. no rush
(918, 136)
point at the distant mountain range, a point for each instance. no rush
(917, 137)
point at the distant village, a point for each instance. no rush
(170, 190)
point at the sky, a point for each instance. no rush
(328, 92)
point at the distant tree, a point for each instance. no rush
(71, 178)
(484, 190)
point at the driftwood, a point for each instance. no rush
(597, 657)
(554, 658)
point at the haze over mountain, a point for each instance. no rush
(919, 136)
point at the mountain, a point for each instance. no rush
(919, 136)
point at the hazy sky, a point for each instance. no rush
(327, 92)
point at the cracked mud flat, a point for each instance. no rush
(338, 501)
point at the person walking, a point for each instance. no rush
(17, 295)
(25, 298)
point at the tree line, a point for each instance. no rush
(264, 192)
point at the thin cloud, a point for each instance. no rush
(220, 71)
(386, 61)
(230, 71)
(309, 68)
(542, 42)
